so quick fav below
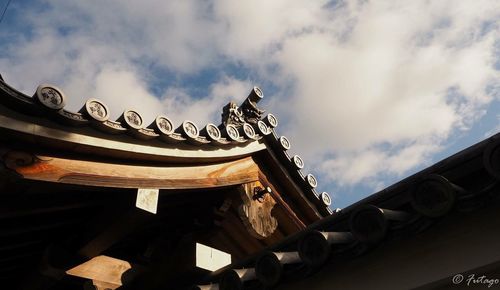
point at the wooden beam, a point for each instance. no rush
(284, 205)
(168, 176)
(255, 210)
(105, 272)
(274, 172)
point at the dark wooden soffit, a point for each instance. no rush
(68, 170)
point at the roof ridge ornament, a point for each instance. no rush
(251, 113)
(163, 125)
(248, 112)
(96, 109)
(131, 118)
(50, 96)
(271, 120)
(263, 128)
(190, 129)
(212, 132)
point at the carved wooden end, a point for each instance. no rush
(255, 211)
(105, 272)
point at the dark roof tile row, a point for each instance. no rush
(466, 181)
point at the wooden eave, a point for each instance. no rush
(79, 179)
(23, 117)
(26, 120)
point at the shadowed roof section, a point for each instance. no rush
(413, 230)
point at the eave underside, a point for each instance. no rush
(59, 226)
(87, 141)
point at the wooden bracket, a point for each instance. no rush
(105, 272)
(255, 211)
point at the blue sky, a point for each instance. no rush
(368, 92)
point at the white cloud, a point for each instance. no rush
(254, 29)
(121, 88)
(370, 165)
(206, 110)
(353, 78)
(404, 74)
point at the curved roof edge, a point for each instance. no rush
(48, 103)
(243, 131)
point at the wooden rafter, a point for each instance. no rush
(54, 169)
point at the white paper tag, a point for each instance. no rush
(147, 199)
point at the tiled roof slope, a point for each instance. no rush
(464, 182)
(49, 102)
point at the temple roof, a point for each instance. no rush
(451, 190)
(243, 131)
(46, 109)
(70, 155)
